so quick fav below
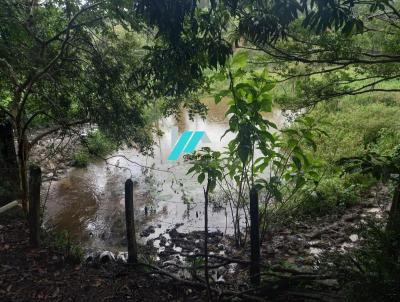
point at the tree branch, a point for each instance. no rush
(55, 129)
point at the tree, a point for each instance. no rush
(328, 48)
(206, 165)
(67, 64)
(9, 182)
(384, 168)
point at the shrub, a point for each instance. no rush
(332, 195)
(81, 159)
(98, 144)
(371, 273)
(353, 127)
(356, 125)
(62, 243)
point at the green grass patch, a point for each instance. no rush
(95, 145)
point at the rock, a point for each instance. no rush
(221, 271)
(309, 260)
(328, 282)
(106, 257)
(353, 237)
(221, 279)
(163, 241)
(175, 234)
(199, 243)
(89, 259)
(270, 250)
(122, 257)
(148, 231)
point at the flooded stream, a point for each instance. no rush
(89, 202)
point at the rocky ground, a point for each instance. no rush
(290, 260)
(29, 274)
(297, 250)
(54, 154)
(299, 244)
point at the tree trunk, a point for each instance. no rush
(9, 175)
(23, 171)
(393, 225)
(394, 214)
(206, 243)
(35, 181)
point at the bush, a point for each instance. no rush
(371, 273)
(356, 125)
(353, 126)
(332, 195)
(98, 144)
(95, 145)
(81, 159)
(62, 243)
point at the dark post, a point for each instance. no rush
(254, 238)
(35, 180)
(130, 222)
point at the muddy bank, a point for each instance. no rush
(43, 274)
(292, 264)
(300, 245)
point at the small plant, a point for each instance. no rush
(63, 244)
(98, 144)
(332, 195)
(95, 145)
(81, 159)
(206, 165)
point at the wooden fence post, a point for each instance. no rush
(254, 238)
(35, 181)
(130, 223)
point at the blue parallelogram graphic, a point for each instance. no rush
(186, 144)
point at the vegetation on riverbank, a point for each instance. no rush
(94, 146)
(312, 185)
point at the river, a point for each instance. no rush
(89, 202)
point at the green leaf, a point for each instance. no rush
(244, 152)
(239, 60)
(297, 162)
(191, 170)
(218, 97)
(300, 181)
(211, 185)
(201, 177)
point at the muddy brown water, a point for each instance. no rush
(89, 202)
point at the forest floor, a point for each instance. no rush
(291, 259)
(41, 274)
